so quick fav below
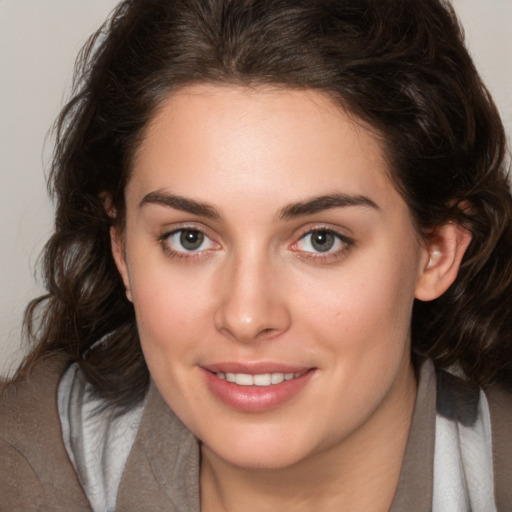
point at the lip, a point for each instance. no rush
(255, 399)
(255, 368)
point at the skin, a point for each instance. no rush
(258, 292)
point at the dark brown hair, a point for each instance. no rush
(398, 65)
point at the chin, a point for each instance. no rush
(260, 454)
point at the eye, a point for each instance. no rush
(187, 240)
(322, 241)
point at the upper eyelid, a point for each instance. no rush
(328, 230)
(339, 231)
(170, 250)
(347, 241)
(185, 228)
(297, 233)
(167, 230)
(167, 233)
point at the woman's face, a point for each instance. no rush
(266, 245)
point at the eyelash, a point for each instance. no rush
(326, 256)
(185, 255)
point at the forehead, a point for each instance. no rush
(225, 140)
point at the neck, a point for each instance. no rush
(360, 473)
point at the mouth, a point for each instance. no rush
(256, 388)
(260, 379)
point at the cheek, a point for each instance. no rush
(173, 320)
(366, 307)
(171, 310)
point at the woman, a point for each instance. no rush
(277, 223)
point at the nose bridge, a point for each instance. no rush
(251, 304)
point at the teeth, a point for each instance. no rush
(263, 379)
(244, 379)
(276, 378)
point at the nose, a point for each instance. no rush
(252, 303)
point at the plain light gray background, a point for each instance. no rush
(39, 40)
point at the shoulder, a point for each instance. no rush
(473, 432)
(500, 409)
(36, 473)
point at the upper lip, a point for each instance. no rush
(255, 368)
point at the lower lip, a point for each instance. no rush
(255, 398)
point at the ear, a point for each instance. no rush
(444, 250)
(118, 251)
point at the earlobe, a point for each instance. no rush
(118, 252)
(445, 248)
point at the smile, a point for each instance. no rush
(263, 389)
(262, 379)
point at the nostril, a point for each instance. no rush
(268, 330)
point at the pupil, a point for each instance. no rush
(191, 240)
(322, 240)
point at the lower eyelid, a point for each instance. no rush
(171, 250)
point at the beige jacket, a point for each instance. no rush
(162, 471)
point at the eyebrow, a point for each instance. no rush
(299, 209)
(326, 202)
(181, 203)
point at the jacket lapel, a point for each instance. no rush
(162, 470)
(415, 485)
